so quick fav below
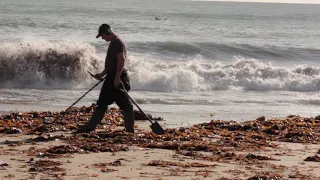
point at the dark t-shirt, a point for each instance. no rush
(116, 46)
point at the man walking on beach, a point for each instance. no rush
(116, 80)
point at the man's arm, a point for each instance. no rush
(120, 65)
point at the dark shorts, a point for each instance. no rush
(110, 94)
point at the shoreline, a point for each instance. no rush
(182, 118)
(286, 148)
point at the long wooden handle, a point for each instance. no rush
(85, 94)
(135, 103)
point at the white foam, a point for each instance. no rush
(196, 75)
(64, 64)
(46, 64)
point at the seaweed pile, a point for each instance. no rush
(215, 136)
(214, 141)
(46, 122)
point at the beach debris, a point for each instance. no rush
(162, 163)
(9, 176)
(106, 170)
(12, 130)
(299, 175)
(3, 164)
(48, 167)
(267, 177)
(205, 174)
(42, 163)
(114, 163)
(250, 135)
(63, 149)
(258, 157)
(52, 152)
(47, 122)
(46, 138)
(213, 141)
(314, 158)
(13, 143)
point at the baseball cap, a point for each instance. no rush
(104, 28)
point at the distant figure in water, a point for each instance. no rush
(157, 18)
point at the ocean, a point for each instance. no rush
(189, 61)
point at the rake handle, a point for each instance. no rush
(135, 103)
(85, 94)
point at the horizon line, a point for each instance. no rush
(266, 1)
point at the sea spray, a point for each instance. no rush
(45, 64)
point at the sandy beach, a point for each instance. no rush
(235, 84)
(286, 148)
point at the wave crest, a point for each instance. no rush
(44, 64)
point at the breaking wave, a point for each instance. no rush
(44, 64)
(64, 65)
(242, 74)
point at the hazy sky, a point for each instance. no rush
(276, 1)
